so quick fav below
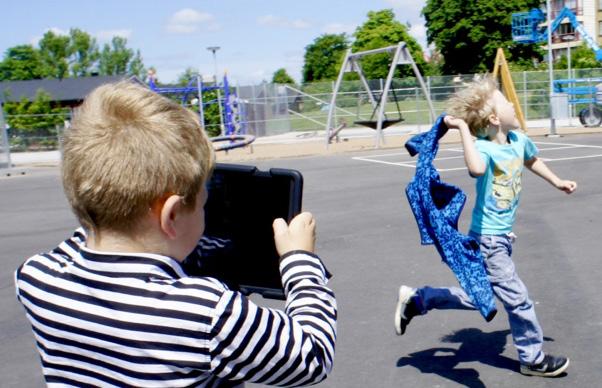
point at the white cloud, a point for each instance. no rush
(278, 21)
(188, 21)
(107, 35)
(339, 28)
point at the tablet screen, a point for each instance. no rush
(242, 205)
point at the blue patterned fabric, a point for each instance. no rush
(437, 207)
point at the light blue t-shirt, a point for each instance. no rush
(498, 190)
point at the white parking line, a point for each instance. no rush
(412, 163)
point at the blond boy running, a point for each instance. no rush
(496, 159)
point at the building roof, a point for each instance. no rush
(60, 90)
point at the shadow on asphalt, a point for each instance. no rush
(475, 346)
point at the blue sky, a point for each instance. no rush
(256, 37)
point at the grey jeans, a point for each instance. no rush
(509, 289)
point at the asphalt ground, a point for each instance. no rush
(368, 239)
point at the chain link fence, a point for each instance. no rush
(272, 109)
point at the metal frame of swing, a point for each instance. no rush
(401, 56)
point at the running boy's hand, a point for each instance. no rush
(300, 234)
(454, 122)
(566, 186)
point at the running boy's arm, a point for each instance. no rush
(472, 158)
(537, 165)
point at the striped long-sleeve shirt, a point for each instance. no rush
(114, 319)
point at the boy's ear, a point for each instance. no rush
(169, 212)
(494, 120)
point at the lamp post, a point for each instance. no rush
(550, 70)
(213, 50)
(568, 38)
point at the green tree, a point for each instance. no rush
(282, 77)
(323, 57)
(136, 67)
(381, 30)
(582, 57)
(83, 53)
(468, 33)
(188, 75)
(21, 63)
(115, 57)
(34, 123)
(54, 51)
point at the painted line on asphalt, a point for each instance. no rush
(412, 164)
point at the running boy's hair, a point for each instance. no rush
(472, 104)
(127, 148)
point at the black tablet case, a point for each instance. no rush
(242, 205)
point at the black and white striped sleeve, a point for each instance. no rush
(286, 348)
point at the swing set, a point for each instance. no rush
(378, 119)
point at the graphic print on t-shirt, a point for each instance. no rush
(506, 185)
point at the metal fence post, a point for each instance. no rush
(428, 88)
(525, 99)
(4, 143)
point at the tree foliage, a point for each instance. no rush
(21, 63)
(36, 115)
(323, 57)
(83, 53)
(115, 57)
(76, 55)
(54, 54)
(382, 30)
(34, 123)
(282, 77)
(582, 57)
(468, 33)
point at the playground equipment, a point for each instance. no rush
(378, 120)
(500, 68)
(234, 141)
(526, 29)
(231, 108)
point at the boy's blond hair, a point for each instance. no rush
(472, 104)
(127, 148)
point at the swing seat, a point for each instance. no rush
(374, 123)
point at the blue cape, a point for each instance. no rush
(437, 207)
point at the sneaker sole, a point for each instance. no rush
(405, 293)
(558, 371)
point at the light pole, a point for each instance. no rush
(213, 50)
(550, 70)
(568, 38)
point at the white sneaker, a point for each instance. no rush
(405, 309)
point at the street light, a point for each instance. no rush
(550, 69)
(568, 38)
(213, 50)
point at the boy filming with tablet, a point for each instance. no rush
(112, 305)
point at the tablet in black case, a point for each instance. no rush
(242, 205)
